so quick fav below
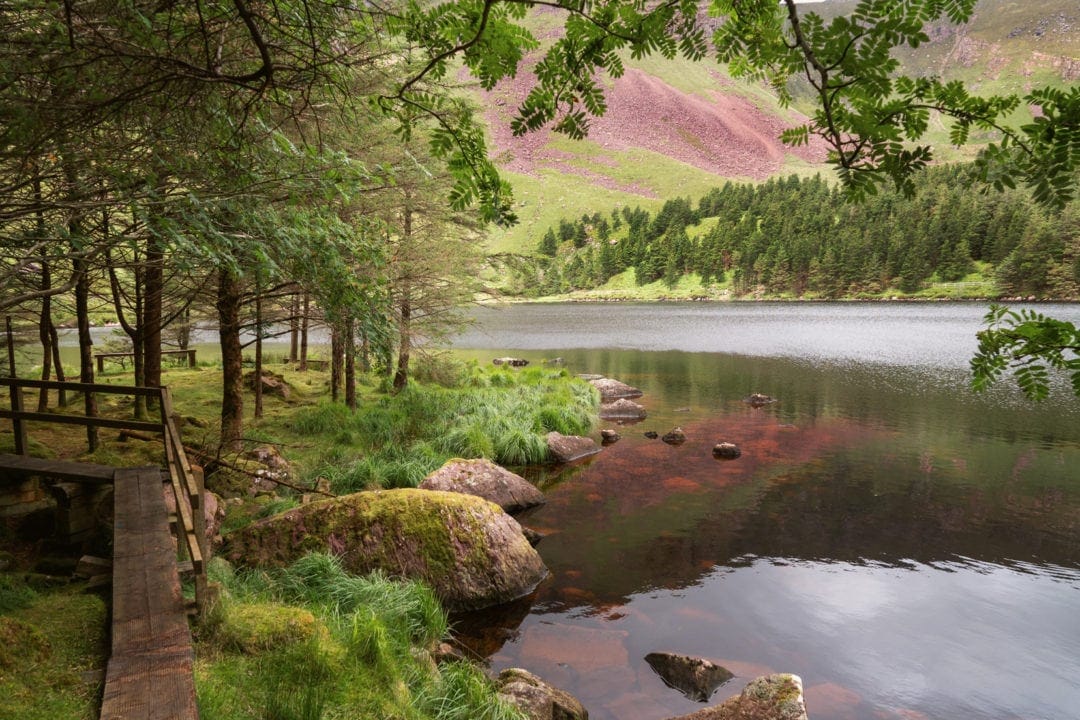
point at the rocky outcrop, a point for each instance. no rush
(696, 678)
(772, 697)
(537, 699)
(272, 384)
(622, 409)
(726, 451)
(485, 479)
(567, 448)
(611, 390)
(472, 553)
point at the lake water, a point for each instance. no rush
(912, 550)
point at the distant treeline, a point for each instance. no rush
(797, 236)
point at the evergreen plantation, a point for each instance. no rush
(800, 237)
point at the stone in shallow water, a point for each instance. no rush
(773, 697)
(696, 678)
(536, 698)
(675, 436)
(567, 448)
(613, 389)
(726, 451)
(622, 409)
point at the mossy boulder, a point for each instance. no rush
(259, 626)
(472, 553)
(771, 697)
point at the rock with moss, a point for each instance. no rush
(537, 699)
(485, 479)
(252, 627)
(772, 697)
(467, 549)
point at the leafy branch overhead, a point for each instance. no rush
(872, 119)
(1030, 345)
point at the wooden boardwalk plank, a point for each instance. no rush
(20, 467)
(150, 673)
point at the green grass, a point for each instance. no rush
(343, 646)
(47, 639)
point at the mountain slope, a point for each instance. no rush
(677, 128)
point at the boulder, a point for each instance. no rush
(485, 479)
(213, 512)
(609, 437)
(613, 389)
(726, 451)
(696, 678)
(537, 699)
(772, 697)
(622, 409)
(652, 434)
(472, 553)
(758, 399)
(272, 384)
(675, 436)
(511, 361)
(567, 448)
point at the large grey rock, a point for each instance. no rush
(622, 409)
(537, 699)
(485, 479)
(613, 389)
(472, 553)
(567, 448)
(772, 697)
(696, 678)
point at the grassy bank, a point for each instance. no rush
(309, 641)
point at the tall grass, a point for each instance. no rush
(501, 414)
(363, 659)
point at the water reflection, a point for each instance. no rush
(911, 550)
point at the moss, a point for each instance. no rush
(257, 627)
(20, 642)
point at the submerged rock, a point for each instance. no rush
(609, 437)
(622, 409)
(472, 553)
(696, 678)
(537, 699)
(613, 389)
(567, 448)
(675, 436)
(485, 479)
(772, 697)
(726, 451)
(651, 434)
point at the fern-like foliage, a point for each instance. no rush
(1031, 346)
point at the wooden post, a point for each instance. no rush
(191, 358)
(198, 521)
(100, 364)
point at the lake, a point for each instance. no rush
(909, 548)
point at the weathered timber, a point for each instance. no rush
(149, 676)
(21, 467)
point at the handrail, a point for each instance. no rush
(185, 481)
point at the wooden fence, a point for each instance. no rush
(186, 482)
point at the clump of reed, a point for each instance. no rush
(365, 656)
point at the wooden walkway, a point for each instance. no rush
(150, 673)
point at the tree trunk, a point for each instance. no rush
(232, 391)
(304, 326)
(350, 365)
(401, 377)
(54, 336)
(86, 343)
(336, 357)
(151, 319)
(294, 329)
(258, 353)
(44, 323)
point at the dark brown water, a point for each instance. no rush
(909, 549)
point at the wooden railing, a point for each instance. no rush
(185, 480)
